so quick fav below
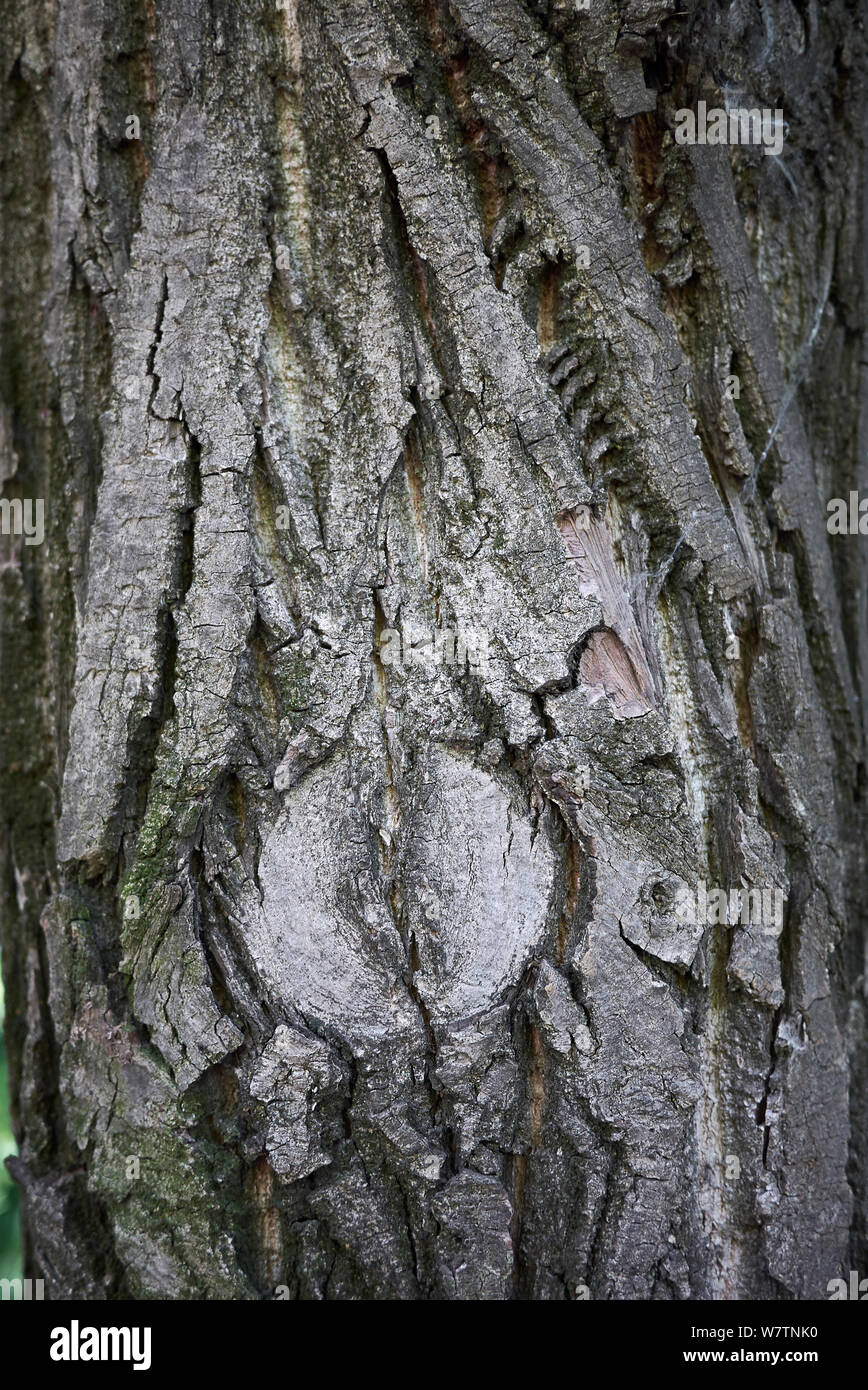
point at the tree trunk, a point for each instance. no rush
(436, 620)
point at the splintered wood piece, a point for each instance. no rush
(614, 663)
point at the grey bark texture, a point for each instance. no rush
(356, 978)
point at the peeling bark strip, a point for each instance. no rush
(330, 976)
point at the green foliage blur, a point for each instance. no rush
(10, 1252)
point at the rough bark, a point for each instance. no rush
(362, 977)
